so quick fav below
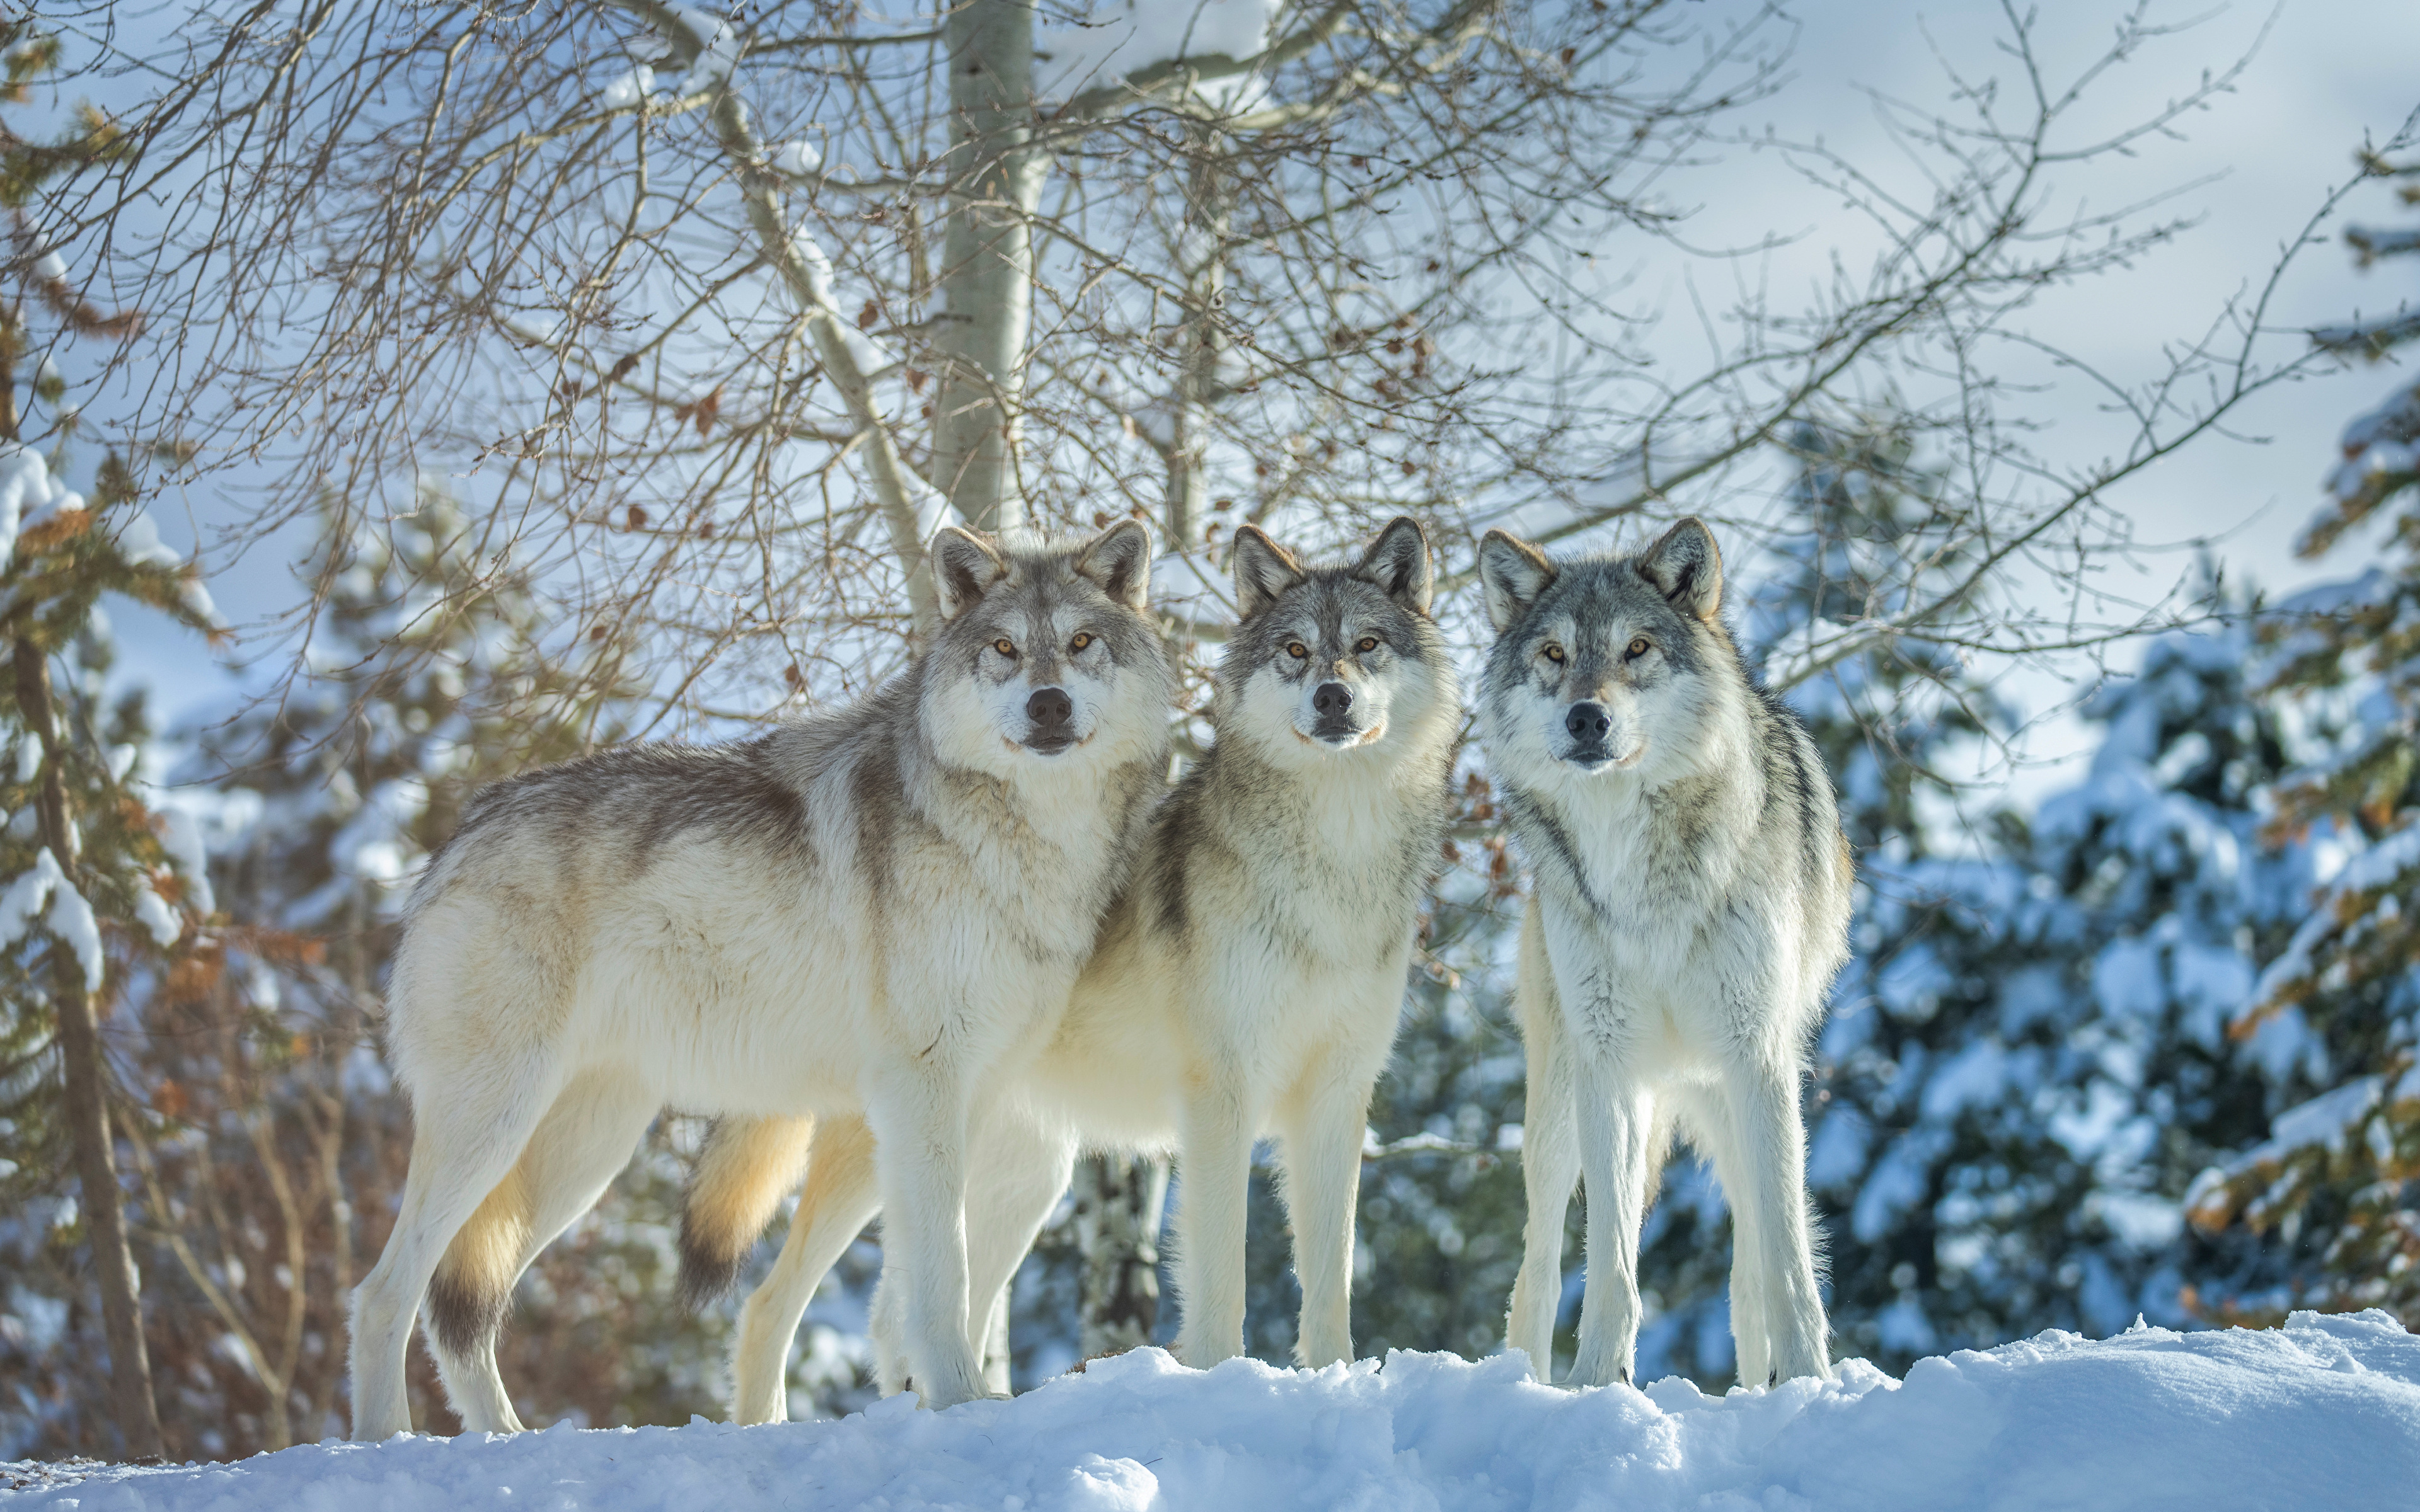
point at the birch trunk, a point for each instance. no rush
(87, 1097)
(1202, 259)
(1119, 1199)
(987, 261)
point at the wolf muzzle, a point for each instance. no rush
(1052, 714)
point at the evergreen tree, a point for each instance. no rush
(89, 865)
(2339, 1174)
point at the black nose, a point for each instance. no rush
(1049, 708)
(1587, 723)
(1330, 700)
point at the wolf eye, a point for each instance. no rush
(1083, 638)
(1554, 653)
(1638, 646)
(1297, 650)
(1368, 642)
(1004, 646)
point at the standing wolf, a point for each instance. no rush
(1248, 983)
(878, 909)
(1692, 906)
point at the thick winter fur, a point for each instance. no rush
(877, 911)
(1691, 907)
(1249, 981)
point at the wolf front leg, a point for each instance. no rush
(1616, 1117)
(1214, 1175)
(919, 1116)
(1323, 1133)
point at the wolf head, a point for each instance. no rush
(1605, 663)
(1329, 661)
(1045, 657)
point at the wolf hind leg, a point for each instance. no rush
(585, 1140)
(1770, 1149)
(1712, 1126)
(468, 1137)
(1550, 1163)
(838, 1200)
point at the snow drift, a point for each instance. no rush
(2323, 1413)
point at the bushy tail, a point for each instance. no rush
(473, 1284)
(745, 1167)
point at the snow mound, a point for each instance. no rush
(2324, 1412)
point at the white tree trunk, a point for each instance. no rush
(987, 261)
(1119, 1200)
(1202, 259)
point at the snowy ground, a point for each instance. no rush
(2323, 1413)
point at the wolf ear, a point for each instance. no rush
(964, 565)
(1512, 573)
(1263, 570)
(1686, 569)
(1118, 559)
(1397, 562)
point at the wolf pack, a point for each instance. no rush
(916, 954)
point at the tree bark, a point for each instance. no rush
(987, 261)
(1119, 1199)
(1202, 258)
(87, 1109)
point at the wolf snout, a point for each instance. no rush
(1588, 724)
(1052, 714)
(1332, 705)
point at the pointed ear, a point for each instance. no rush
(1686, 568)
(1118, 559)
(1512, 573)
(1397, 562)
(964, 564)
(1263, 570)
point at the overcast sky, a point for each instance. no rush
(2328, 73)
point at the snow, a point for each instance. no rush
(28, 895)
(628, 89)
(139, 542)
(71, 919)
(153, 912)
(797, 159)
(718, 50)
(2324, 1412)
(49, 268)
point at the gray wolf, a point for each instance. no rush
(874, 911)
(1692, 896)
(1248, 983)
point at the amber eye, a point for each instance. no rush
(1368, 642)
(1297, 650)
(1004, 646)
(1638, 646)
(1555, 653)
(1083, 638)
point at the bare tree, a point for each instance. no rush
(713, 322)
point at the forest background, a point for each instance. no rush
(514, 380)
